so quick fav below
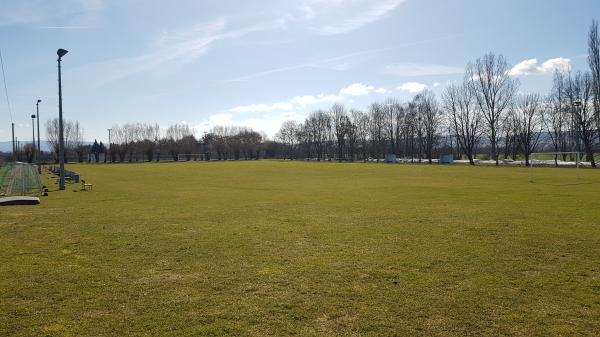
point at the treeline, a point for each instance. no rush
(483, 113)
(143, 142)
(483, 116)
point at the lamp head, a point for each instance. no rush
(39, 101)
(32, 116)
(61, 52)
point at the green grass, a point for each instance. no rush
(309, 249)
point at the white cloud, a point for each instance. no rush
(418, 69)
(296, 102)
(412, 87)
(303, 101)
(383, 91)
(268, 124)
(436, 84)
(333, 17)
(532, 67)
(262, 107)
(357, 89)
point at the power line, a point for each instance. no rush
(6, 88)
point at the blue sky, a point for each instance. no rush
(258, 63)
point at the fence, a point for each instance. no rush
(19, 179)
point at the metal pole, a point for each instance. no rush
(61, 141)
(33, 137)
(39, 148)
(14, 152)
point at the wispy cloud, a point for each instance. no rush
(333, 17)
(172, 47)
(64, 27)
(421, 69)
(45, 12)
(347, 61)
(532, 67)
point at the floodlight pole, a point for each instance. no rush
(39, 148)
(33, 137)
(61, 140)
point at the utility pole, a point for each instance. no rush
(61, 140)
(39, 148)
(13, 140)
(33, 138)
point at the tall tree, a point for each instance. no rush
(594, 62)
(465, 117)
(554, 116)
(360, 120)
(579, 93)
(341, 122)
(494, 90)
(288, 134)
(377, 129)
(430, 120)
(527, 124)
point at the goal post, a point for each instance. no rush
(533, 161)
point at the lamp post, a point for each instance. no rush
(109, 130)
(578, 106)
(33, 137)
(61, 141)
(39, 148)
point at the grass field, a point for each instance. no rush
(308, 249)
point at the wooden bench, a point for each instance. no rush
(85, 186)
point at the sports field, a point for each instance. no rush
(307, 249)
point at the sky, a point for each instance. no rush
(259, 63)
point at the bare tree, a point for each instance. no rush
(178, 139)
(75, 141)
(554, 116)
(527, 123)
(360, 121)
(391, 109)
(465, 117)
(494, 90)
(430, 120)
(579, 93)
(319, 122)
(400, 115)
(288, 135)
(341, 123)
(377, 129)
(120, 141)
(72, 133)
(52, 135)
(594, 62)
